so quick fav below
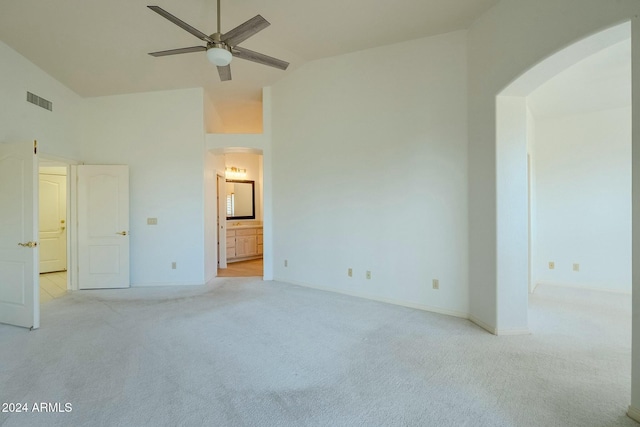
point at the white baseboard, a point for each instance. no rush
(586, 288)
(483, 325)
(363, 295)
(633, 413)
(517, 331)
(497, 331)
(162, 284)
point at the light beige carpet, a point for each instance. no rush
(242, 352)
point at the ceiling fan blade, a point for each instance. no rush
(245, 30)
(225, 73)
(199, 34)
(178, 51)
(249, 55)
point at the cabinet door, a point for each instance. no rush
(246, 246)
(241, 243)
(252, 246)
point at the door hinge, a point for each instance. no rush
(35, 147)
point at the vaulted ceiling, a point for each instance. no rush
(98, 47)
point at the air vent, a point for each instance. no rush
(40, 102)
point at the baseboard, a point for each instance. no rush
(497, 331)
(163, 284)
(363, 295)
(517, 331)
(483, 325)
(586, 288)
(634, 413)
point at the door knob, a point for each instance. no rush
(122, 233)
(29, 244)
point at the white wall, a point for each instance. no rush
(533, 203)
(511, 228)
(160, 135)
(583, 172)
(56, 131)
(369, 164)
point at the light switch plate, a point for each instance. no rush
(152, 221)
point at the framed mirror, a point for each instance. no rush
(241, 199)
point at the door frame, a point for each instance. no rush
(72, 220)
(221, 220)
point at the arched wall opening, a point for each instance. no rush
(512, 178)
(511, 209)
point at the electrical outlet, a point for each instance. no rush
(174, 265)
(576, 267)
(552, 265)
(152, 221)
(350, 272)
(286, 263)
(435, 284)
(368, 274)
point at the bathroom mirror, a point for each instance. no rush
(241, 196)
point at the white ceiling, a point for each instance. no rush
(99, 47)
(598, 82)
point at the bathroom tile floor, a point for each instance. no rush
(52, 286)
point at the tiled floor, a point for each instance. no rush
(52, 285)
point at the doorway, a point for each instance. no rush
(514, 122)
(241, 231)
(52, 236)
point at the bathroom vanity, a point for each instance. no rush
(244, 242)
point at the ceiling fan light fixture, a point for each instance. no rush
(219, 57)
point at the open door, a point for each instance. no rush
(19, 280)
(103, 226)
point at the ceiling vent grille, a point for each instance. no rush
(40, 102)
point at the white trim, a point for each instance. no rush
(72, 227)
(164, 284)
(586, 288)
(483, 325)
(506, 332)
(381, 299)
(496, 331)
(633, 413)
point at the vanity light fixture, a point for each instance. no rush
(235, 173)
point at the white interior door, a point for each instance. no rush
(103, 226)
(53, 223)
(19, 293)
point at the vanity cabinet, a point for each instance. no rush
(244, 243)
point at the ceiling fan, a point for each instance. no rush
(221, 48)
